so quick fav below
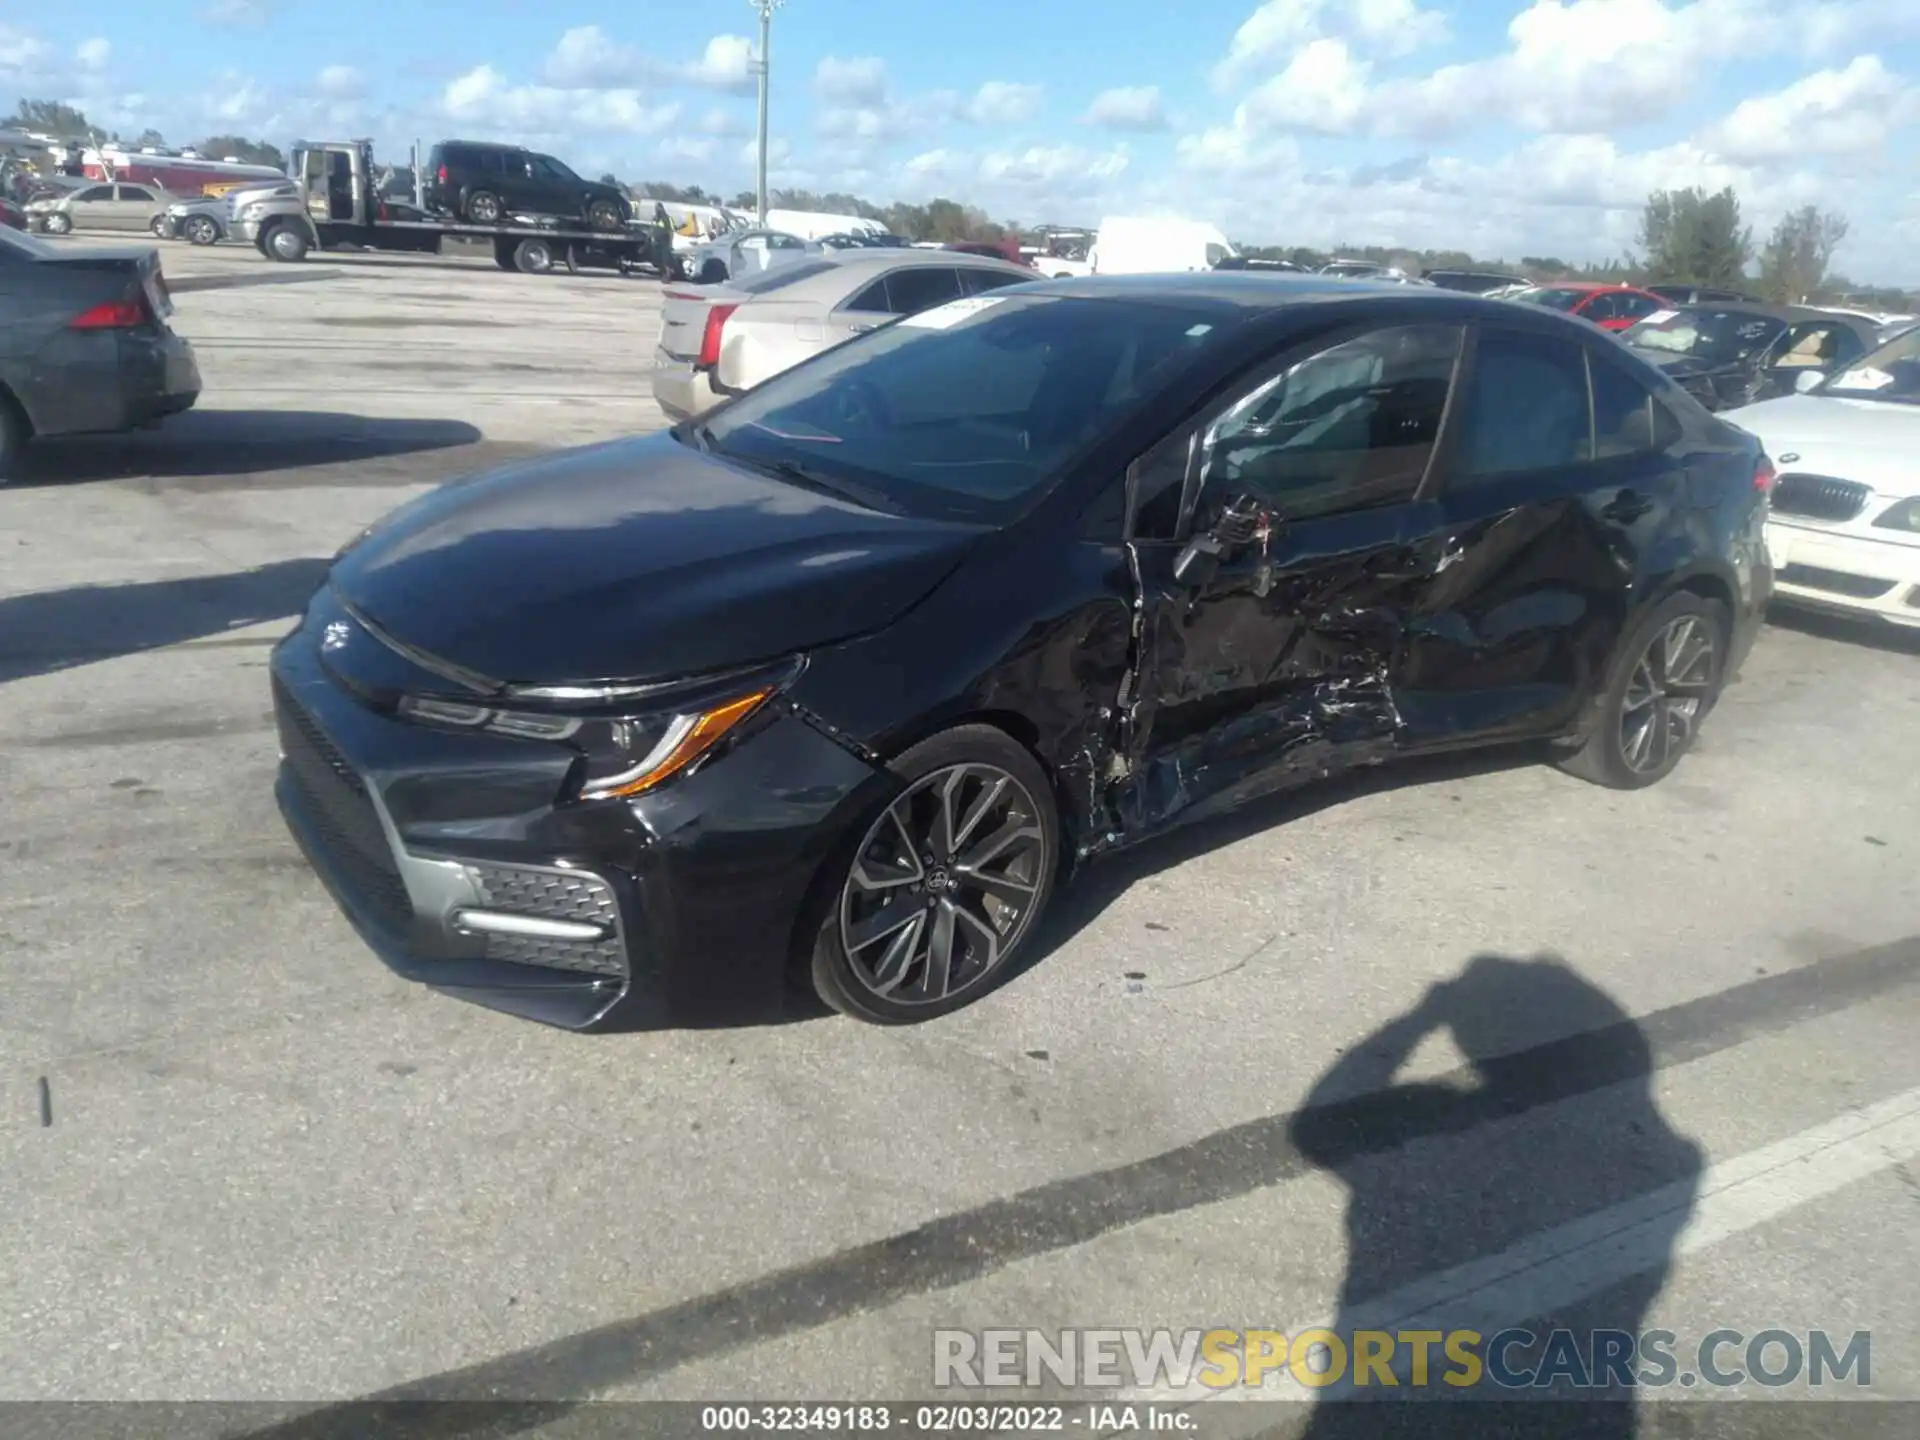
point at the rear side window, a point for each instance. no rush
(1625, 414)
(921, 287)
(872, 300)
(1525, 406)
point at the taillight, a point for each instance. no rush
(443, 174)
(710, 338)
(124, 314)
(1764, 475)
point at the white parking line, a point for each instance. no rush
(1568, 1263)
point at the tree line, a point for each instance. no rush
(57, 118)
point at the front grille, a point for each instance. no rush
(1837, 582)
(552, 895)
(1819, 497)
(341, 814)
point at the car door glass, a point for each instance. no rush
(1623, 413)
(1601, 307)
(1525, 406)
(921, 287)
(135, 192)
(1807, 347)
(1635, 307)
(93, 193)
(1347, 428)
(977, 282)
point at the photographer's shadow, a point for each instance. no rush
(1525, 1138)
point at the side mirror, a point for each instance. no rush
(1807, 379)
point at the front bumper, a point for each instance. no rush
(1847, 573)
(462, 866)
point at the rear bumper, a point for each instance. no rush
(681, 390)
(1845, 573)
(676, 908)
(105, 381)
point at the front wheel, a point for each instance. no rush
(13, 439)
(59, 224)
(287, 242)
(200, 230)
(1666, 677)
(946, 884)
(605, 215)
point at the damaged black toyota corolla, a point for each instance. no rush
(839, 686)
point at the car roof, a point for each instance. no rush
(904, 257)
(1245, 289)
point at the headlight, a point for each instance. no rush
(623, 754)
(1904, 516)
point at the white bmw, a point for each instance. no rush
(1844, 532)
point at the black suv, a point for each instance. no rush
(487, 183)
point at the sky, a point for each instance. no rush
(1496, 126)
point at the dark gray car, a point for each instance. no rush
(85, 346)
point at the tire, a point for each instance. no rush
(533, 257)
(483, 207)
(157, 227)
(200, 230)
(992, 787)
(13, 437)
(286, 242)
(1629, 748)
(59, 224)
(605, 215)
(713, 273)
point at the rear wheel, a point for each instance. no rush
(13, 437)
(947, 882)
(483, 207)
(59, 223)
(200, 230)
(605, 215)
(1666, 677)
(533, 257)
(713, 273)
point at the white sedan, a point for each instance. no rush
(1844, 531)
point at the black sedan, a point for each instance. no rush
(840, 684)
(1728, 355)
(85, 344)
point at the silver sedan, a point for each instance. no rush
(719, 340)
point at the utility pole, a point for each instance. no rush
(766, 9)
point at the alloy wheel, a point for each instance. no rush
(944, 885)
(1666, 694)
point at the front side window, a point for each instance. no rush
(95, 192)
(1891, 373)
(970, 410)
(1525, 408)
(921, 287)
(1348, 428)
(135, 192)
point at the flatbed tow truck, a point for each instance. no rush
(338, 203)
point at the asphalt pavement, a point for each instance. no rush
(1668, 1079)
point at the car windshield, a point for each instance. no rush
(1891, 373)
(1552, 299)
(969, 410)
(1705, 334)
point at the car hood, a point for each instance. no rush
(638, 560)
(1875, 442)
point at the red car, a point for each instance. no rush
(1611, 307)
(998, 250)
(11, 215)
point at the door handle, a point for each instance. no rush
(1626, 507)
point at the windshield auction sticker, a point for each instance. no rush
(945, 317)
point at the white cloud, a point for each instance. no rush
(340, 82)
(483, 99)
(858, 82)
(1830, 112)
(93, 54)
(779, 152)
(1001, 102)
(721, 122)
(238, 12)
(1270, 37)
(21, 50)
(725, 65)
(1128, 107)
(1323, 89)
